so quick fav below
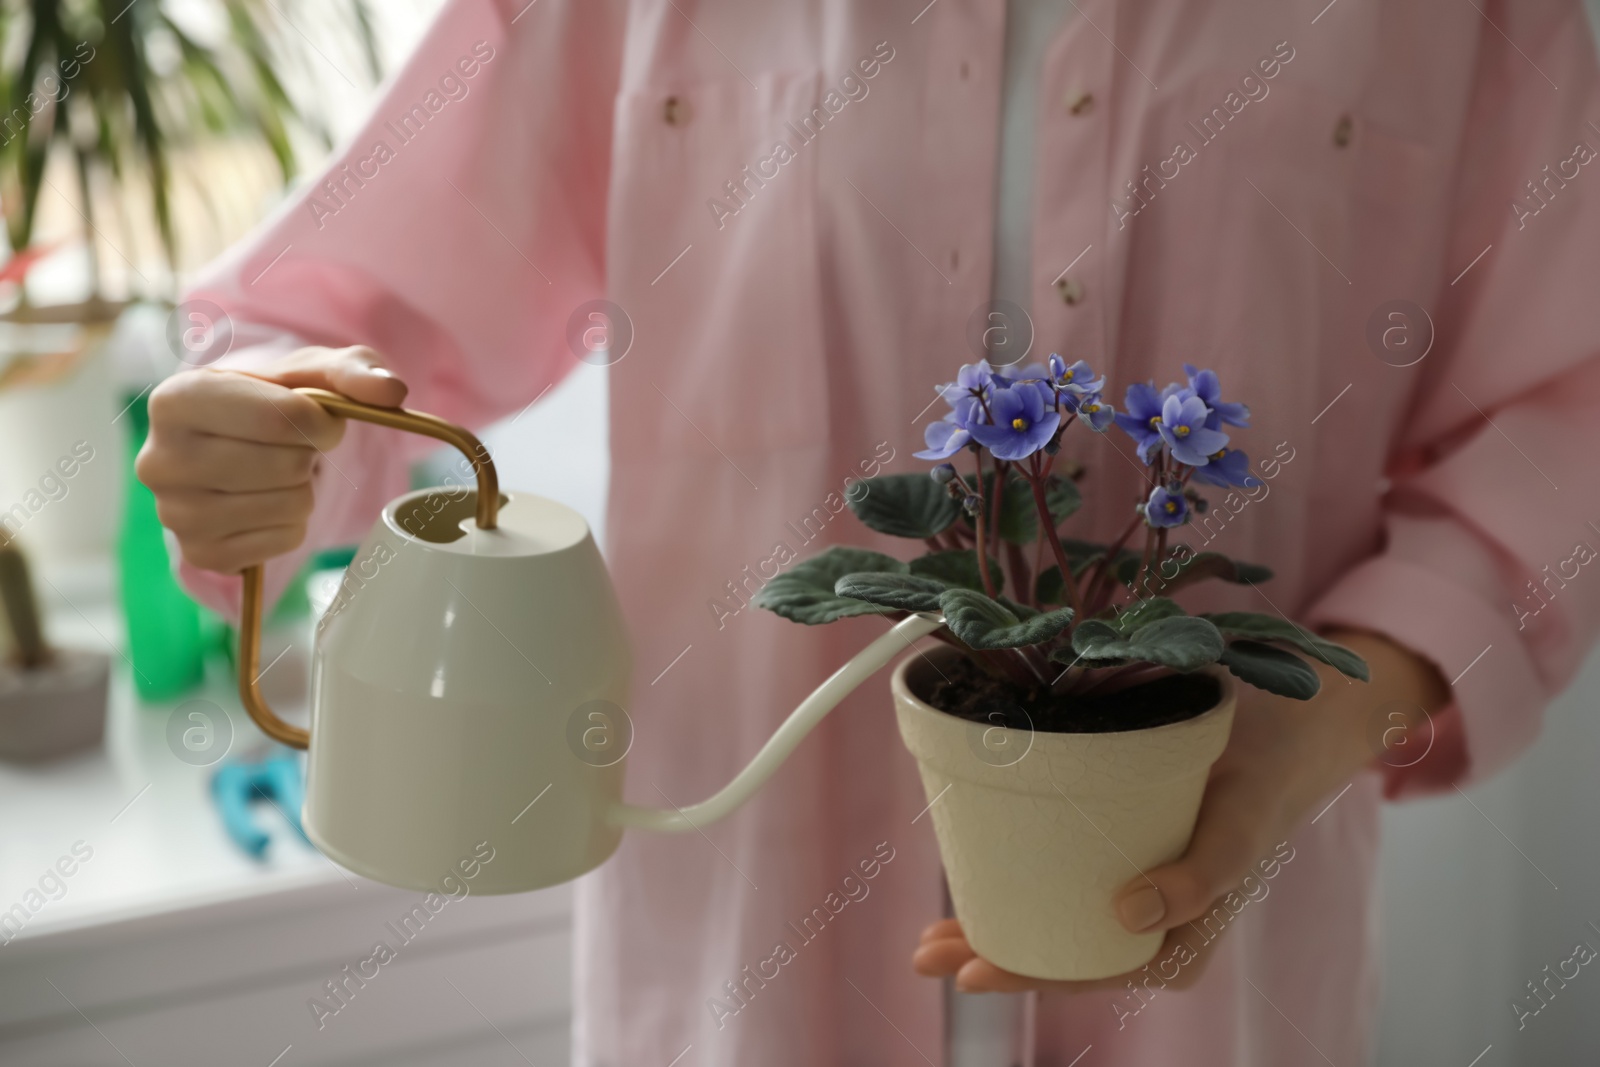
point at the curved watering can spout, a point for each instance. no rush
(800, 722)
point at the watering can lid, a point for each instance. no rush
(529, 525)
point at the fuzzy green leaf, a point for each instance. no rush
(1256, 627)
(958, 566)
(1272, 669)
(1181, 642)
(900, 592)
(806, 592)
(1091, 634)
(983, 623)
(904, 505)
(1137, 616)
(1172, 575)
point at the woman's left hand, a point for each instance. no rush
(1283, 758)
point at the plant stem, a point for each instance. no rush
(1144, 561)
(999, 665)
(1021, 580)
(1159, 470)
(1107, 565)
(1125, 677)
(1038, 559)
(1033, 668)
(994, 663)
(1068, 582)
(1002, 472)
(983, 555)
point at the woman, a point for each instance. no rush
(1371, 219)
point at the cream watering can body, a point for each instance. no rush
(469, 686)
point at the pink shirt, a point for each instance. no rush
(794, 204)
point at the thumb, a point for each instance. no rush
(356, 372)
(1220, 853)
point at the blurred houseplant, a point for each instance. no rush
(117, 85)
(104, 103)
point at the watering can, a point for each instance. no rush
(468, 686)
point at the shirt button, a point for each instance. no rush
(1342, 130)
(675, 111)
(1071, 291)
(1079, 101)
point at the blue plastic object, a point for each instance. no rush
(275, 779)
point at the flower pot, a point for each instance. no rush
(1038, 830)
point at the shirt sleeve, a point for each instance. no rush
(1488, 566)
(455, 234)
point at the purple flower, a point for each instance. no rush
(1182, 426)
(1165, 508)
(1034, 373)
(1077, 379)
(973, 381)
(1141, 418)
(1034, 377)
(1208, 388)
(1227, 467)
(946, 437)
(1093, 410)
(1022, 423)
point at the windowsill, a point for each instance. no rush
(157, 838)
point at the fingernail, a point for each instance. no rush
(380, 372)
(1142, 908)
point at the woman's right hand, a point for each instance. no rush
(231, 455)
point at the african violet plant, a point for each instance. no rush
(1077, 616)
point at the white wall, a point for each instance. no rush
(1470, 918)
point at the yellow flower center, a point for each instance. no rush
(1218, 455)
(1091, 408)
(1066, 375)
(1181, 431)
(1019, 423)
(1172, 507)
(1155, 420)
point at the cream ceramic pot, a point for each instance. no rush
(1037, 830)
(469, 691)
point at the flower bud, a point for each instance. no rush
(1052, 446)
(943, 473)
(972, 504)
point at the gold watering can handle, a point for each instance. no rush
(251, 607)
